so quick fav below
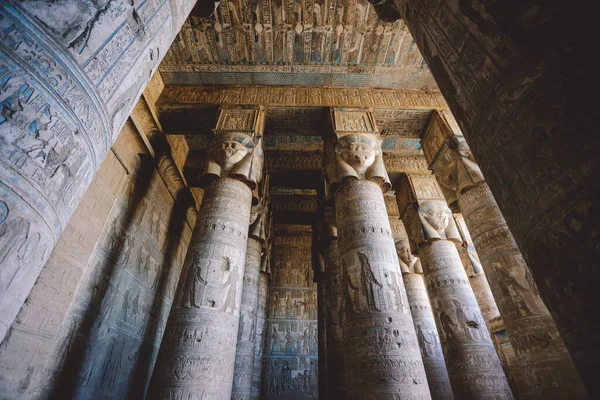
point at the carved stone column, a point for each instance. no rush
(473, 365)
(322, 330)
(247, 331)
(259, 343)
(332, 302)
(427, 333)
(197, 354)
(479, 283)
(540, 350)
(381, 350)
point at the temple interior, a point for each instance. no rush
(298, 199)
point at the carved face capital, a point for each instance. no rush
(437, 218)
(229, 152)
(358, 155)
(404, 253)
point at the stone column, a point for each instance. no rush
(427, 333)
(540, 350)
(259, 343)
(197, 355)
(244, 355)
(381, 350)
(63, 107)
(510, 79)
(333, 299)
(472, 264)
(473, 365)
(322, 330)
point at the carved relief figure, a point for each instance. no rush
(19, 247)
(358, 157)
(448, 325)
(231, 283)
(424, 344)
(368, 282)
(516, 285)
(195, 283)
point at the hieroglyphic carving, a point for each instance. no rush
(261, 334)
(467, 345)
(210, 289)
(381, 345)
(509, 279)
(291, 329)
(248, 326)
(182, 95)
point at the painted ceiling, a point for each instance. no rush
(296, 42)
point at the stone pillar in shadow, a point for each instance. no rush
(259, 343)
(427, 333)
(382, 354)
(332, 307)
(471, 360)
(197, 353)
(546, 368)
(247, 333)
(512, 80)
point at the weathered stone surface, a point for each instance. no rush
(333, 303)
(512, 85)
(198, 353)
(291, 355)
(247, 330)
(381, 350)
(427, 333)
(525, 315)
(472, 363)
(68, 86)
(261, 335)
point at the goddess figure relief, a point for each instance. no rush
(358, 157)
(234, 155)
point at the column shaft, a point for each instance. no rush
(197, 354)
(259, 343)
(473, 365)
(333, 300)
(427, 336)
(546, 368)
(382, 352)
(244, 354)
(322, 338)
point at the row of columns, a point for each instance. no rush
(392, 326)
(361, 287)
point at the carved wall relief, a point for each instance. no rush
(291, 351)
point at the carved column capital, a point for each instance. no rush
(356, 149)
(424, 211)
(449, 156)
(236, 150)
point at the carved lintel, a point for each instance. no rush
(424, 211)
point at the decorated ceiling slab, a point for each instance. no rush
(296, 42)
